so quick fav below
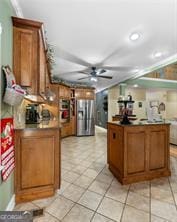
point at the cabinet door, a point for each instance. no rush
(158, 148)
(115, 148)
(89, 94)
(37, 162)
(80, 94)
(37, 158)
(135, 150)
(25, 58)
(42, 67)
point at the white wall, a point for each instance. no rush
(168, 97)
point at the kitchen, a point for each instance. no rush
(76, 164)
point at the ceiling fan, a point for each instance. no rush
(94, 74)
(93, 71)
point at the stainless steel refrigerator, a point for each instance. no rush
(85, 118)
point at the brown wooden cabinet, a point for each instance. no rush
(64, 92)
(137, 152)
(29, 55)
(37, 157)
(85, 93)
(66, 129)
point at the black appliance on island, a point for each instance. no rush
(125, 111)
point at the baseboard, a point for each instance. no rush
(11, 204)
(101, 128)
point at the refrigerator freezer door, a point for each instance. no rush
(81, 118)
(85, 118)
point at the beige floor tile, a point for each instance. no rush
(164, 210)
(63, 171)
(44, 202)
(142, 188)
(67, 166)
(107, 171)
(90, 200)
(162, 195)
(70, 176)
(138, 201)
(63, 186)
(78, 214)
(60, 207)
(173, 183)
(83, 181)
(79, 169)
(73, 192)
(100, 218)
(111, 209)
(115, 182)
(117, 193)
(161, 183)
(175, 196)
(97, 166)
(131, 214)
(85, 163)
(98, 187)
(104, 178)
(91, 173)
(25, 206)
(158, 219)
(45, 218)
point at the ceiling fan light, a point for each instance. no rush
(134, 36)
(94, 79)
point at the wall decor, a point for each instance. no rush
(7, 155)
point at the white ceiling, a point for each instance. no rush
(90, 32)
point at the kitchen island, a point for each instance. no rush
(138, 151)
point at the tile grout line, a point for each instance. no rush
(172, 193)
(125, 204)
(102, 199)
(82, 194)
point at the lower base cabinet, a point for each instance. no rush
(37, 156)
(138, 152)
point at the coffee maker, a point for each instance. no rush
(32, 115)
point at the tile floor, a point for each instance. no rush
(89, 192)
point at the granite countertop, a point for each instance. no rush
(44, 124)
(140, 123)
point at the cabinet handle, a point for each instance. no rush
(114, 135)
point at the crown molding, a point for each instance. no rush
(17, 8)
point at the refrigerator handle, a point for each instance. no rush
(85, 118)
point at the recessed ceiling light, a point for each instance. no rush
(134, 36)
(135, 85)
(94, 79)
(157, 54)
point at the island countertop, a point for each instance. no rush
(139, 123)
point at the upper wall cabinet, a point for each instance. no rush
(85, 94)
(64, 91)
(29, 60)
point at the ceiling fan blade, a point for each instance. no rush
(58, 52)
(106, 77)
(118, 68)
(65, 73)
(83, 72)
(101, 71)
(84, 78)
